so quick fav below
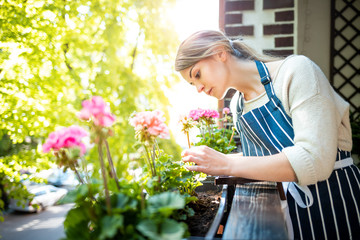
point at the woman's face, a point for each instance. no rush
(209, 75)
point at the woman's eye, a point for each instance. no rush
(197, 74)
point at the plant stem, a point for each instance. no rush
(111, 164)
(202, 132)
(103, 173)
(224, 127)
(149, 161)
(208, 127)
(153, 159)
(142, 199)
(187, 134)
(232, 135)
(78, 175)
(84, 165)
(157, 148)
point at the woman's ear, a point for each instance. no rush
(221, 54)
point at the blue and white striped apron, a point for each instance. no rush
(326, 210)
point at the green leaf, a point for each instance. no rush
(148, 228)
(123, 203)
(165, 203)
(169, 229)
(74, 216)
(110, 226)
(79, 193)
(76, 224)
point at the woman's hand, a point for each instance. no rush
(208, 160)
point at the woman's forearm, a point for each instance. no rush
(275, 168)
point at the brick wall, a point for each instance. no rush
(266, 24)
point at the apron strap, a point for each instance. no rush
(294, 188)
(265, 78)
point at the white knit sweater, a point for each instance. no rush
(320, 117)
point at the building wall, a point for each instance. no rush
(313, 31)
(266, 25)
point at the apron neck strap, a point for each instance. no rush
(265, 78)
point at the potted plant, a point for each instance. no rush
(220, 139)
(211, 134)
(152, 206)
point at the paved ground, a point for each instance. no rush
(46, 225)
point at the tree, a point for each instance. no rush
(54, 54)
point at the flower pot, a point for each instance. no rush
(208, 185)
(211, 200)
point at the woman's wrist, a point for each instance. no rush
(232, 164)
(227, 165)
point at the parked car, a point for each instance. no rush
(45, 195)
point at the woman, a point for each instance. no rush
(293, 128)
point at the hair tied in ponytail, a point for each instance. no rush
(236, 52)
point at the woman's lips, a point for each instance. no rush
(209, 92)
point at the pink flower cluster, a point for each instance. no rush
(151, 122)
(226, 111)
(97, 110)
(203, 113)
(66, 138)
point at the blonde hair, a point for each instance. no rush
(203, 44)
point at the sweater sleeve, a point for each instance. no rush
(311, 103)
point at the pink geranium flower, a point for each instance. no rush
(150, 123)
(196, 114)
(226, 111)
(66, 138)
(97, 110)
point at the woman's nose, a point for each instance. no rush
(200, 88)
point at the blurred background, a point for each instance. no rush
(55, 54)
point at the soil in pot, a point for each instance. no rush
(205, 210)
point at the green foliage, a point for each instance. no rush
(164, 204)
(54, 54)
(173, 176)
(11, 179)
(152, 208)
(133, 217)
(110, 225)
(218, 139)
(164, 230)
